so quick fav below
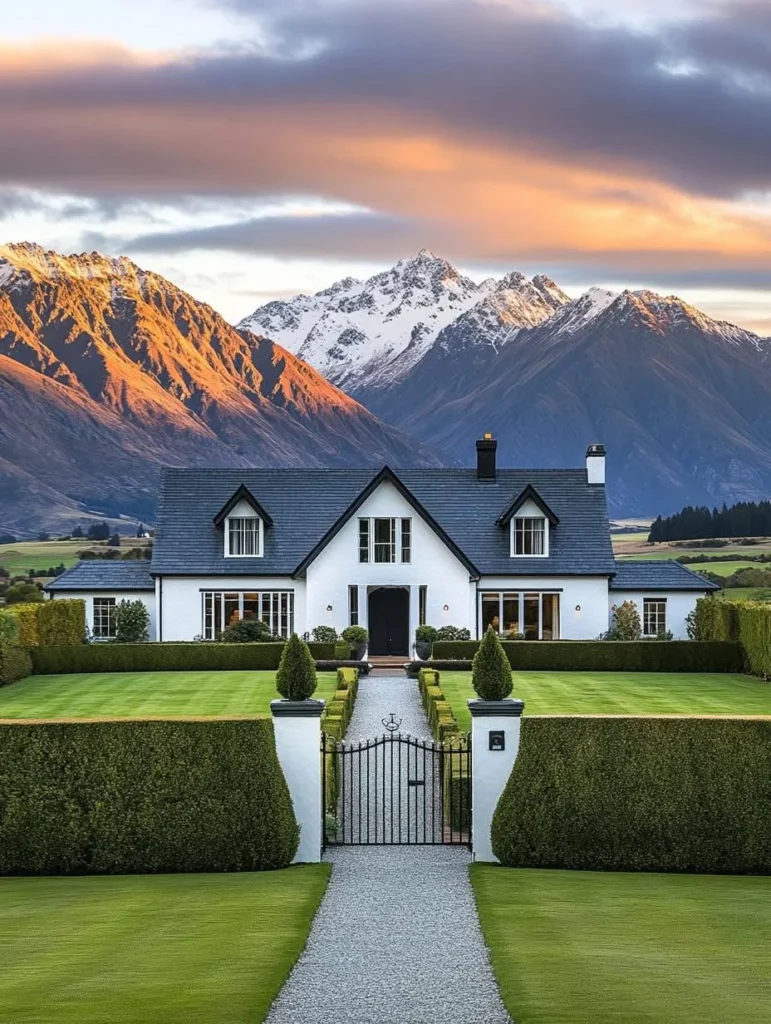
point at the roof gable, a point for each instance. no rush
(242, 494)
(385, 474)
(528, 494)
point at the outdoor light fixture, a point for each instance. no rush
(329, 607)
(446, 608)
(578, 607)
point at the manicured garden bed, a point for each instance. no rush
(162, 949)
(619, 693)
(573, 947)
(146, 694)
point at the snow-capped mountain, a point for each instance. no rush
(356, 331)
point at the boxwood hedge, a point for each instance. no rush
(163, 657)
(141, 797)
(605, 655)
(747, 623)
(639, 794)
(15, 664)
(58, 623)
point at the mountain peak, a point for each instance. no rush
(33, 262)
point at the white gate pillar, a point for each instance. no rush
(494, 746)
(297, 725)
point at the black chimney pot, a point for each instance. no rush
(486, 449)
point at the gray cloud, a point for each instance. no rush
(505, 76)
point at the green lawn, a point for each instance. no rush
(152, 949)
(582, 947)
(619, 693)
(746, 594)
(24, 555)
(142, 694)
(726, 568)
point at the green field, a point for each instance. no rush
(146, 694)
(619, 693)
(727, 568)
(152, 949)
(746, 594)
(19, 558)
(583, 947)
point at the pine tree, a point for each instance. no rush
(296, 676)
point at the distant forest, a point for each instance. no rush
(746, 519)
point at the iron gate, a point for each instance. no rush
(396, 790)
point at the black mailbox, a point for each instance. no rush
(497, 739)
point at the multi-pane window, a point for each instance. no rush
(533, 615)
(385, 540)
(104, 618)
(654, 616)
(353, 606)
(222, 608)
(244, 536)
(529, 536)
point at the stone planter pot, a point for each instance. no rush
(423, 649)
(358, 652)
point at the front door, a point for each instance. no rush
(389, 621)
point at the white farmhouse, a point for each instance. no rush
(525, 550)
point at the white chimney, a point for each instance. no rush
(595, 464)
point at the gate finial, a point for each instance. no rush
(392, 723)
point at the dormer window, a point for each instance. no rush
(244, 537)
(529, 536)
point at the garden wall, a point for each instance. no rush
(605, 655)
(142, 797)
(164, 657)
(639, 794)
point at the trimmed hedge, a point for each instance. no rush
(747, 623)
(15, 664)
(639, 794)
(142, 797)
(59, 623)
(438, 711)
(414, 668)
(163, 657)
(362, 667)
(606, 655)
(338, 712)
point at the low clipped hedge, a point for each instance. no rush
(414, 668)
(438, 711)
(338, 712)
(163, 657)
(362, 667)
(605, 655)
(747, 623)
(141, 797)
(639, 794)
(15, 664)
(59, 623)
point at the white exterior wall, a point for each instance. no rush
(679, 604)
(587, 593)
(433, 565)
(182, 603)
(145, 596)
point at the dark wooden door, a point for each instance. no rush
(389, 621)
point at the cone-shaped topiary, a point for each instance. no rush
(490, 671)
(296, 676)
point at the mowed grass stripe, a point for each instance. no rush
(155, 949)
(582, 947)
(621, 693)
(147, 694)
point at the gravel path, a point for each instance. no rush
(397, 939)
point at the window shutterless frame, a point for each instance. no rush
(221, 608)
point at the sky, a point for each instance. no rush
(252, 149)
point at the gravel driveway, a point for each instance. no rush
(397, 939)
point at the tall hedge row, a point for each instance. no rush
(639, 794)
(163, 657)
(142, 797)
(605, 655)
(747, 623)
(58, 623)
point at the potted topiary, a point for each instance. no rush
(490, 670)
(424, 641)
(357, 637)
(296, 676)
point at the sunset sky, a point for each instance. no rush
(250, 149)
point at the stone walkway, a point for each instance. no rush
(397, 939)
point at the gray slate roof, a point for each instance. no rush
(306, 504)
(99, 574)
(661, 575)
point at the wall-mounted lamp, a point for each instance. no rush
(329, 607)
(578, 607)
(446, 608)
